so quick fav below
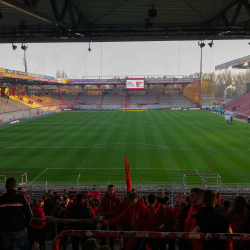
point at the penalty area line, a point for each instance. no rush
(39, 175)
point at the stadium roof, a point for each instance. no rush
(240, 63)
(122, 20)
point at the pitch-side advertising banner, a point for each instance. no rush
(135, 83)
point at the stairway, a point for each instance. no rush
(76, 100)
(127, 101)
(63, 101)
(158, 98)
(101, 102)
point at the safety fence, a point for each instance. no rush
(173, 193)
(148, 235)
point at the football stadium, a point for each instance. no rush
(124, 161)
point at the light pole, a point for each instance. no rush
(24, 47)
(201, 45)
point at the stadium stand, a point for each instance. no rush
(57, 203)
(239, 105)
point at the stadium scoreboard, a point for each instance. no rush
(135, 83)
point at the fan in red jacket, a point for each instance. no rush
(110, 208)
(139, 217)
(195, 198)
(37, 227)
(125, 202)
(110, 205)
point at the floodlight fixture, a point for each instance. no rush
(24, 46)
(201, 44)
(211, 44)
(14, 47)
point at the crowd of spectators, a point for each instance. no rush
(201, 211)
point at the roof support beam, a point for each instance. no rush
(85, 22)
(55, 9)
(71, 14)
(35, 3)
(64, 11)
(237, 12)
(223, 12)
(247, 6)
(30, 11)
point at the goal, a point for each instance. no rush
(206, 180)
(22, 180)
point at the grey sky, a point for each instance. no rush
(121, 59)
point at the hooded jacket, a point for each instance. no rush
(110, 207)
(167, 218)
(37, 213)
(139, 218)
(15, 212)
(194, 209)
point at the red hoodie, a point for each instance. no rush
(110, 207)
(37, 213)
(124, 205)
(95, 194)
(167, 218)
(139, 218)
(194, 209)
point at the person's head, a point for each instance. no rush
(226, 204)
(40, 202)
(127, 195)
(195, 195)
(91, 244)
(218, 196)
(209, 198)
(55, 194)
(163, 203)
(152, 199)
(162, 195)
(1, 194)
(133, 199)
(111, 190)
(50, 192)
(133, 190)
(65, 190)
(86, 204)
(10, 183)
(19, 189)
(105, 248)
(239, 205)
(80, 198)
(183, 204)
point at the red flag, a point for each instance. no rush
(129, 183)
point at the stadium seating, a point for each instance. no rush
(242, 105)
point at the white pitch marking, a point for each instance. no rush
(123, 169)
(39, 175)
(3, 149)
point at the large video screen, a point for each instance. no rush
(135, 83)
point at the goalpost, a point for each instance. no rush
(22, 182)
(204, 178)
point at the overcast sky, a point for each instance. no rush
(122, 59)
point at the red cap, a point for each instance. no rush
(40, 202)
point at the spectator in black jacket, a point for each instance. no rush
(15, 216)
(79, 212)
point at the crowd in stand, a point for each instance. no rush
(200, 212)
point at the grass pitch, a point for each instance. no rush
(161, 146)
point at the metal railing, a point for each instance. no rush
(148, 235)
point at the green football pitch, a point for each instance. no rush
(161, 146)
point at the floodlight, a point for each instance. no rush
(211, 44)
(24, 46)
(14, 47)
(201, 44)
